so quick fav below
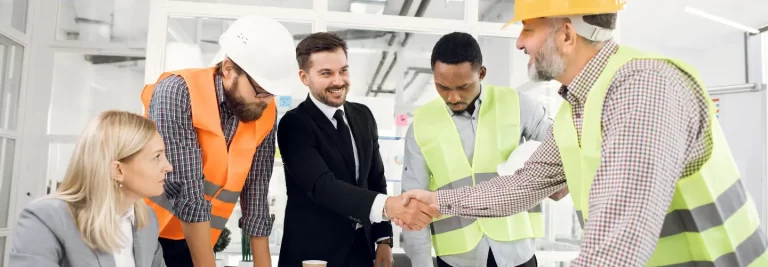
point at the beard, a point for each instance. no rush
(547, 63)
(333, 96)
(244, 111)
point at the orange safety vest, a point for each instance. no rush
(225, 170)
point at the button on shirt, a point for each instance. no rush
(377, 208)
(124, 256)
(534, 121)
(653, 119)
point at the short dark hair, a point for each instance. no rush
(457, 48)
(318, 42)
(219, 67)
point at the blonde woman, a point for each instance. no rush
(98, 216)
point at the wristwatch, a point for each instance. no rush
(387, 241)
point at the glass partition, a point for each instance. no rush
(14, 13)
(103, 21)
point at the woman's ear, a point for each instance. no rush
(116, 171)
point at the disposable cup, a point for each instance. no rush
(314, 263)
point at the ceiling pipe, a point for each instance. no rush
(403, 12)
(419, 13)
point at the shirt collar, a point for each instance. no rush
(219, 89)
(580, 86)
(327, 110)
(131, 215)
(477, 105)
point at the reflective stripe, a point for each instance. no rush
(210, 188)
(703, 217)
(581, 218)
(163, 202)
(228, 196)
(746, 252)
(218, 222)
(483, 177)
(450, 224)
(707, 216)
(537, 208)
(467, 181)
(457, 222)
(225, 195)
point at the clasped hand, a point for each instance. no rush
(413, 210)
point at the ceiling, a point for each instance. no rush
(665, 23)
(668, 26)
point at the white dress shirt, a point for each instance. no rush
(377, 208)
(124, 256)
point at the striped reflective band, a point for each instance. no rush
(467, 181)
(745, 253)
(217, 222)
(225, 195)
(703, 217)
(706, 216)
(457, 222)
(450, 224)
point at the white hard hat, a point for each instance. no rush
(265, 50)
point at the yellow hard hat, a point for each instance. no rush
(530, 9)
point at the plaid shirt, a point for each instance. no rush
(654, 119)
(170, 108)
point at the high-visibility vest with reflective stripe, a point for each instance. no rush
(712, 220)
(498, 134)
(225, 169)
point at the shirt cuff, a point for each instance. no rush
(377, 209)
(256, 226)
(192, 211)
(382, 238)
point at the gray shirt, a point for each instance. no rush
(534, 123)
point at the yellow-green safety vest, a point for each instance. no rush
(711, 221)
(498, 134)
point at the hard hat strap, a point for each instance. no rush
(589, 31)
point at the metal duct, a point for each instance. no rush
(403, 12)
(421, 9)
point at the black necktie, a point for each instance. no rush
(346, 138)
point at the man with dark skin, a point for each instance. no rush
(458, 72)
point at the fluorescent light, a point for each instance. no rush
(721, 20)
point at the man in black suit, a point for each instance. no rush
(338, 207)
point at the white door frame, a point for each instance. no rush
(24, 39)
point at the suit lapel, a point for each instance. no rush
(105, 259)
(138, 254)
(326, 125)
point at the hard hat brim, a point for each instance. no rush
(560, 13)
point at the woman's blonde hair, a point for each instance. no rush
(88, 187)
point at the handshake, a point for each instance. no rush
(412, 210)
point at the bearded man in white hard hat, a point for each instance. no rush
(636, 142)
(218, 125)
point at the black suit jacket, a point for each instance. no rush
(325, 201)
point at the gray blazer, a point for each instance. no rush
(46, 236)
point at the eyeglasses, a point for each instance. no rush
(259, 94)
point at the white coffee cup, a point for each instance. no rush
(314, 263)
